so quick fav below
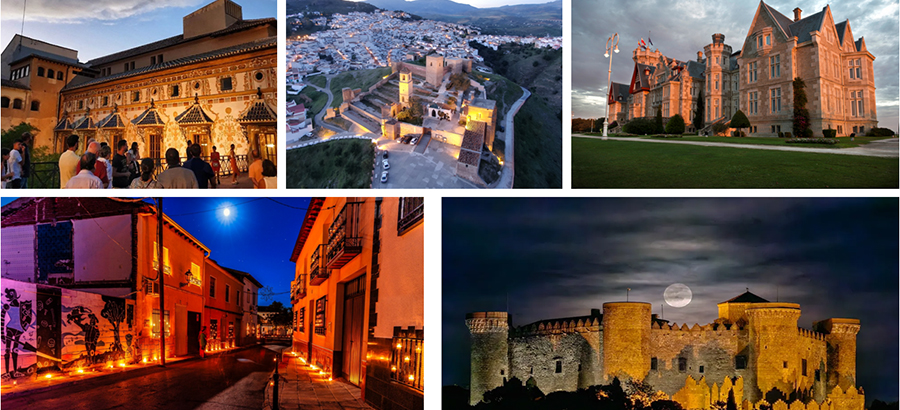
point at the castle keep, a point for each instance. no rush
(754, 348)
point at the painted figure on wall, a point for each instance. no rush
(17, 318)
(114, 312)
(91, 332)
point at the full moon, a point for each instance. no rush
(678, 295)
(226, 211)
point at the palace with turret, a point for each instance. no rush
(757, 78)
(754, 349)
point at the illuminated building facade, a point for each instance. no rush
(358, 295)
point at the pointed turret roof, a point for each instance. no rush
(193, 115)
(746, 297)
(259, 112)
(149, 118)
(113, 120)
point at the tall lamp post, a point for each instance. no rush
(612, 45)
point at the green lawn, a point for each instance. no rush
(362, 79)
(625, 164)
(844, 142)
(335, 164)
(317, 80)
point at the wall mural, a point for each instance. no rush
(18, 330)
(50, 327)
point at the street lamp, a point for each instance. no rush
(612, 44)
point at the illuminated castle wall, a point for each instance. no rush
(754, 348)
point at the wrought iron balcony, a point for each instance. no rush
(318, 272)
(344, 237)
(412, 211)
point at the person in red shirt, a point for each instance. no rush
(99, 172)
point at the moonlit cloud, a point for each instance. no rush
(680, 29)
(549, 258)
(68, 11)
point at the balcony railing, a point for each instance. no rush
(407, 353)
(412, 211)
(318, 272)
(344, 239)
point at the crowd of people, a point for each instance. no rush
(94, 169)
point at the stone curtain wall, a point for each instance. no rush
(577, 349)
(51, 327)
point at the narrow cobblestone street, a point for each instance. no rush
(303, 387)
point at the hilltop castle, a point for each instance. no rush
(757, 78)
(754, 348)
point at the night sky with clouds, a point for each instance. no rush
(681, 29)
(559, 257)
(100, 27)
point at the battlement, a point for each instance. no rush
(838, 399)
(838, 326)
(717, 328)
(488, 322)
(559, 326)
(811, 334)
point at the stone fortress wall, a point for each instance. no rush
(754, 348)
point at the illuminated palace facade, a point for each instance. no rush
(358, 296)
(754, 349)
(214, 84)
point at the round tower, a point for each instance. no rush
(718, 61)
(841, 339)
(626, 339)
(490, 352)
(773, 359)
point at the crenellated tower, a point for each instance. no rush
(490, 352)
(840, 335)
(626, 339)
(773, 345)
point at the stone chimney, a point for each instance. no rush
(699, 56)
(797, 12)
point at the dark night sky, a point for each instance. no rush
(258, 238)
(561, 257)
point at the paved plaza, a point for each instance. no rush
(435, 168)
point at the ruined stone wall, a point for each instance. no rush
(576, 347)
(708, 353)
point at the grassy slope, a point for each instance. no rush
(624, 164)
(362, 79)
(314, 100)
(317, 80)
(335, 164)
(538, 139)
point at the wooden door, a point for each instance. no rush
(354, 311)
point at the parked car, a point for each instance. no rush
(384, 175)
(413, 141)
(385, 156)
(385, 164)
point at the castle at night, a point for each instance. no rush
(754, 349)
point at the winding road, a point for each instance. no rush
(509, 155)
(320, 116)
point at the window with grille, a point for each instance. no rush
(320, 316)
(411, 212)
(167, 267)
(301, 320)
(212, 286)
(227, 293)
(154, 324)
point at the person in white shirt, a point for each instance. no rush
(86, 178)
(103, 160)
(15, 166)
(68, 161)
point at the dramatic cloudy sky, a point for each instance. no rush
(99, 27)
(680, 29)
(551, 258)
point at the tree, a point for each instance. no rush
(698, 114)
(659, 121)
(675, 125)
(739, 120)
(801, 114)
(14, 133)
(459, 81)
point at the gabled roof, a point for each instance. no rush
(259, 112)
(269, 42)
(53, 58)
(85, 123)
(841, 28)
(618, 93)
(175, 40)
(695, 69)
(639, 80)
(859, 44)
(241, 274)
(193, 115)
(782, 21)
(150, 117)
(802, 28)
(746, 297)
(113, 120)
(64, 124)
